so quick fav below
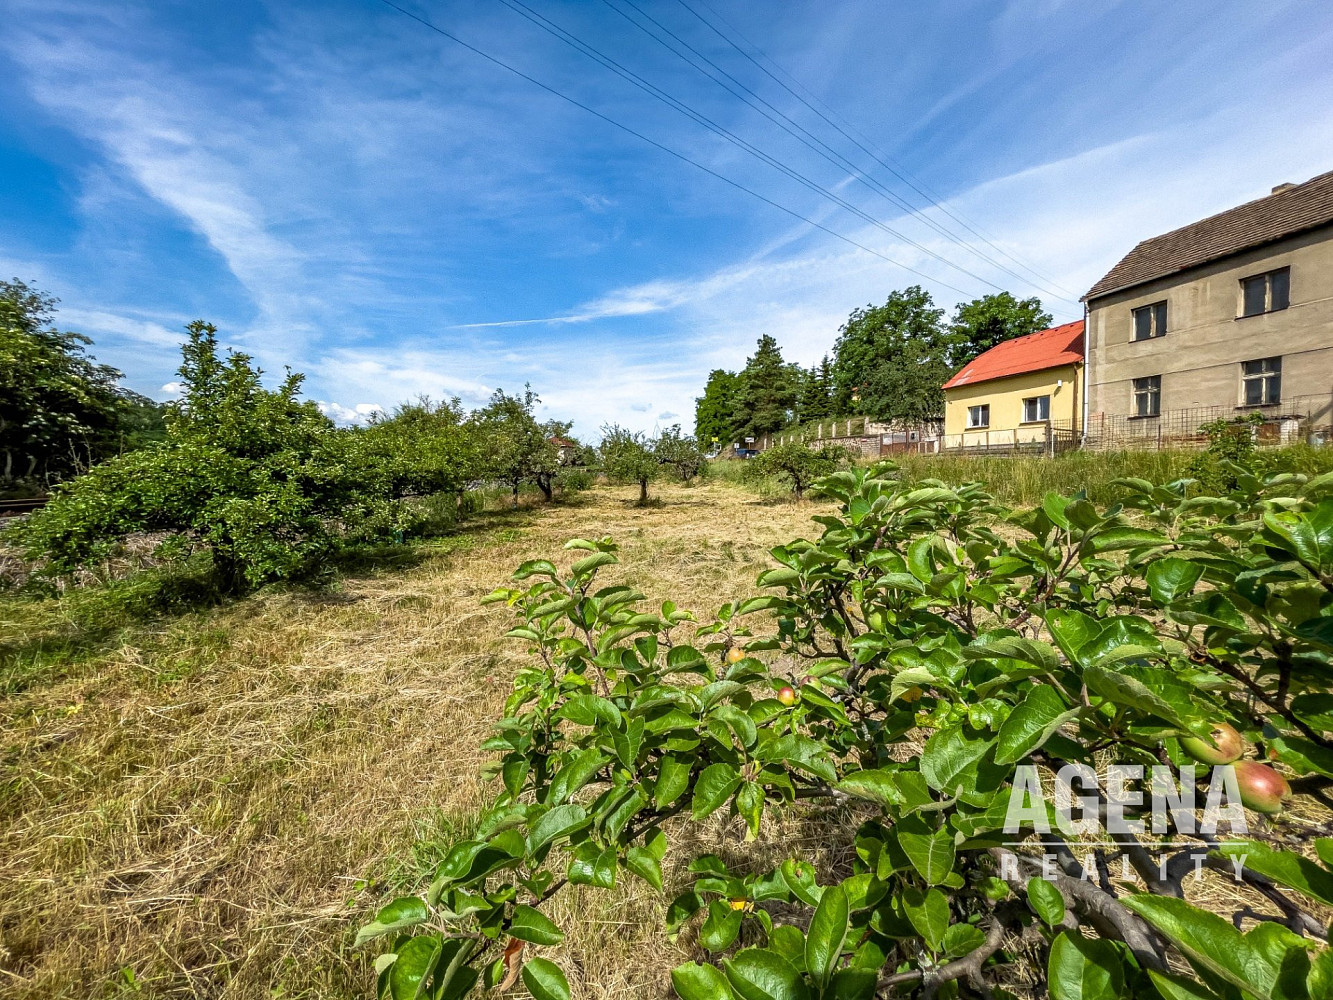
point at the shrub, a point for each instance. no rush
(576, 479)
(258, 478)
(1231, 449)
(934, 655)
(796, 464)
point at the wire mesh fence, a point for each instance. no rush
(1299, 420)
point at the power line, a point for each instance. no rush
(572, 40)
(883, 159)
(664, 148)
(807, 138)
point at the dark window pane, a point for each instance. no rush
(1280, 294)
(1159, 320)
(1254, 391)
(1274, 383)
(1254, 295)
(1142, 323)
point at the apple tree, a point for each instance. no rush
(902, 669)
(628, 457)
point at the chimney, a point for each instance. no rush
(1284, 186)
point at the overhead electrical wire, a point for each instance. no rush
(494, 60)
(572, 40)
(809, 139)
(828, 115)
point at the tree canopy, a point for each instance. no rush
(889, 363)
(520, 449)
(60, 411)
(979, 325)
(766, 389)
(713, 410)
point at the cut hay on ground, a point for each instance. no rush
(205, 806)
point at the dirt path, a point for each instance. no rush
(197, 811)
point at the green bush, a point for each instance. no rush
(795, 464)
(910, 668)
(260, 480)
(576, 480)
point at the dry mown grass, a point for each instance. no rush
(207, 805)
(191, 809)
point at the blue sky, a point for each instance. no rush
(343, 190)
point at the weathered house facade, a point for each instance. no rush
(1226, 316)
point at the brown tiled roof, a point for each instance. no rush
(1305, 206)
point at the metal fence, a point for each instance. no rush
(1302, 419)
(1047, 437)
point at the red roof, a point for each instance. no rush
(1053, 348)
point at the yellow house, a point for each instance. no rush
(1022, 394)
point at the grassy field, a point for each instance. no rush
(206, 803)
(1023, 481)
(204, 800)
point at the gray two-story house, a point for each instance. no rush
(1229, 315)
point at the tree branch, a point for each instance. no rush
(1104, 912)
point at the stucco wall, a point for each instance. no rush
(1006, 395)
(1200, 357)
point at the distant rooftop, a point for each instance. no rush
(1053, 348)
(1290, 209)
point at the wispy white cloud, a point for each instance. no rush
(340, 414)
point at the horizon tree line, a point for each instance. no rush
(888, 363)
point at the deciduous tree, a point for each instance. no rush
(627, 457)
(905, 329)
(680, 453)
(979, 325)
(517, 448)
(60, 411)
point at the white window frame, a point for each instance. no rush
(1266, 373)
(978, 416)
(1041, 403)
(1141, 387)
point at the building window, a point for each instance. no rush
(1148, 396)
(978, 416)
(1150, 321)
(1265, 293)
(1261, 381)
(1036, 408)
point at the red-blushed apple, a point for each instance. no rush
(1230, 745)
(787, 696)
(1261, 788)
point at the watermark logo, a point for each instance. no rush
(1120, 808)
